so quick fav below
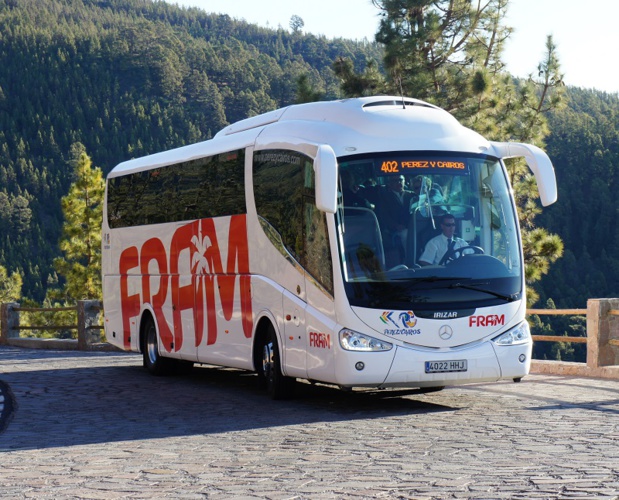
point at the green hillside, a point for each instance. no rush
(131, 77)
(126, 78)
(584, 147)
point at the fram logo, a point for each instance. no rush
(196, 241)
(489, 320)
(320, 340)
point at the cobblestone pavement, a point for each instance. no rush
(97, 426)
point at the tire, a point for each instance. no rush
(277, 385)
(151, 359)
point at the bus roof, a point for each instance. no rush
(349, 126)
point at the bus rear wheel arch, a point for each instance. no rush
(151, 359)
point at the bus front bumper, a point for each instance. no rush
(410, 367)
(485, 362)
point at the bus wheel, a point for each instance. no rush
(152, 360)
(278, 386)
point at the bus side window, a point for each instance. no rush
(278, 191)
(317, 251)
(284, 195)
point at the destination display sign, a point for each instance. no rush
(410, 165)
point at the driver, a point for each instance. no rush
(439, 246)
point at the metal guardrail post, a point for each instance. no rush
(10, 321)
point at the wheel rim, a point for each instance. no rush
(151, 345)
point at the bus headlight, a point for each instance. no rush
(518, 335)
(355, 341)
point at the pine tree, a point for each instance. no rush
(442, 51)
(10, 286)
(296, 23)
(81, 233)
(370, 82)
(448, 52)
(305, 91)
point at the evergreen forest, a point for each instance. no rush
(124, 78)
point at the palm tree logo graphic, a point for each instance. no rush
(199, 262)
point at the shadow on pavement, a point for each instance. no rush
(102, 404)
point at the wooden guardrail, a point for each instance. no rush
(602, 341)
(565, 338)
(87, 326)
(559, 312)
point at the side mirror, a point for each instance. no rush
(325, 170)
(538, 162)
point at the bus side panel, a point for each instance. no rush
(287, 314)
(124, 309)
(321, 334)
(113, 316)
(194, 278)
(216, 288)
(294, 336)
(183, 293)
(225, 341)
(140, 280)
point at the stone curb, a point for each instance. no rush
(57, 344)
(569, 369)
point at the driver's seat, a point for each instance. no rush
(363, 244)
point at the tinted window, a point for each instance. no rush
(285, 202)
(206, 187)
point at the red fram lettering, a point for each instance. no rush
(320, 340)
(130, 304)
(489, 320)
(194, 250)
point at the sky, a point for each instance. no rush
(586, 33)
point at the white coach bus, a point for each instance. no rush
(306, 243)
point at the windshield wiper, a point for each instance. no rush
(474, 287)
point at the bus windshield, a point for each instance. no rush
(427, 230)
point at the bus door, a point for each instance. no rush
(287, 201)
(321, 338)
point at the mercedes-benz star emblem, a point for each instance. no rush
(445, 332)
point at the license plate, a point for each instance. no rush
(458, 365)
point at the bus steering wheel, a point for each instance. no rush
(456, 253)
